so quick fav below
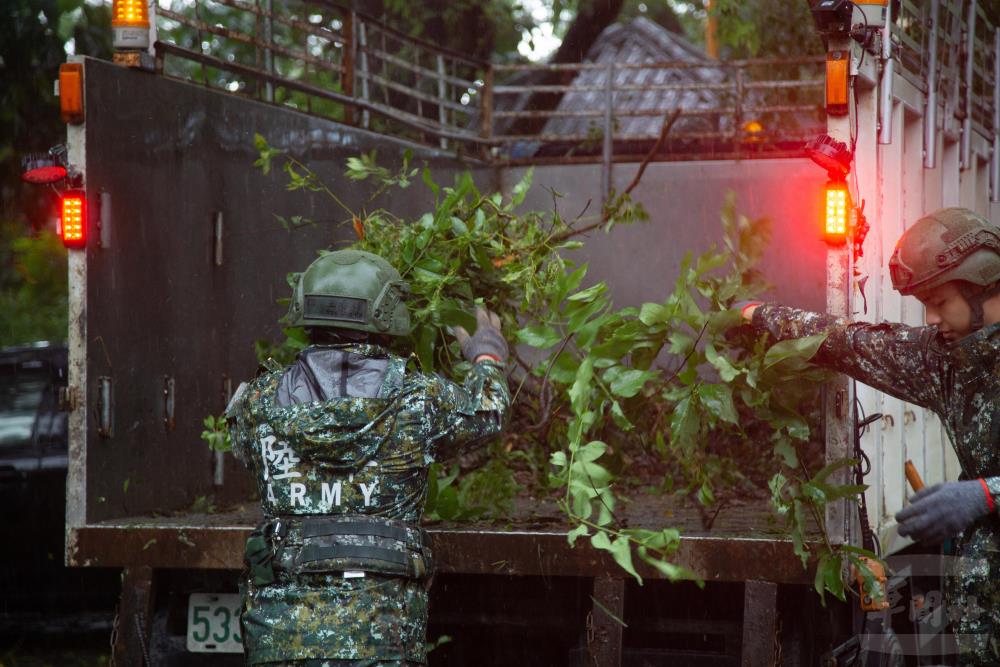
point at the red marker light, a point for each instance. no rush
(73, 219)
(838, 206)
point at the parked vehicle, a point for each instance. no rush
(41, 596)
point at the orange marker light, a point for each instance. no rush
(836, 83)
(130, 14)
(838, 205)
(71, 92)
(73, 219)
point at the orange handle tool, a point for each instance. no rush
(913, 477)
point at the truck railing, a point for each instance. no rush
(324, 59)
(329, 60)
(729, 107)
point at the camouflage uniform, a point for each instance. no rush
(360, 449)
(960, 382)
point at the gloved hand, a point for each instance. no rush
(487, 340)
(746, 308)
(944, 510)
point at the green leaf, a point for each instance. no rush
(654, 313)
(618, 415)
(592, 451)
(628, 382)
(795, 350)
(718, 401)
(520, 190)
(452, 315)
(589, 294)
(727, 372)
(705, 495)
(430, 183)
(684, 421)
(539, 335)
(621, 549)
(786, 451)
(680, 342)
(576, 533)
(833, 466)
(580, 392)
(600, 540)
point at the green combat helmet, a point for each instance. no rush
(351, 289)
(951, 244)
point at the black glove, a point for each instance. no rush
(487, 339)
(943, 510)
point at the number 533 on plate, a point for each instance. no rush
(214, 623)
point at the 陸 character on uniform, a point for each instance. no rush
(950, 261)
(339, 444)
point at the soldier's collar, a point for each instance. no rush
(976, 338)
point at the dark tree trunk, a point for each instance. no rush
(591, 20)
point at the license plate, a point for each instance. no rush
(214, 623)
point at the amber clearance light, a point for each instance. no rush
(130, 14)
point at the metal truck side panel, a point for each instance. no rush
(168, 325)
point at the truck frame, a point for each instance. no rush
(181, 249)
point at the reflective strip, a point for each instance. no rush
(318, 528)
(311, 553)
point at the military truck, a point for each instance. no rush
(177, 262)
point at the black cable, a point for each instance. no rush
(868, 540)
(864, 44)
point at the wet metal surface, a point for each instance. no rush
(738, 548)
(154, 312)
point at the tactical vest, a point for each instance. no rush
(337, 545)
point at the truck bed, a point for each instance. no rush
(743, 542)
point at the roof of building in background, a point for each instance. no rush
(641, 41)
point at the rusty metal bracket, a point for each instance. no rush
(136, 602)
(760, 614)
(604, 622)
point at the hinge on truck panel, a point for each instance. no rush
(67, 398)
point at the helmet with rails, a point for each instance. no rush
(351, 289)
(950, 244)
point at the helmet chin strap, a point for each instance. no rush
(976, 296)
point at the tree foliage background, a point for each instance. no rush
(35, 37)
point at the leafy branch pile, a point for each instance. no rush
(675, 387)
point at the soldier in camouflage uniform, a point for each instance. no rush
(949, 260)
(339, 444)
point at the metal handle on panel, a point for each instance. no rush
(105, 407)
(168, 402)
(217, 237)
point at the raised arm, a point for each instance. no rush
(468, 415)
(893, 358)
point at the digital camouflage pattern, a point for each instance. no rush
(343, 457)
(960, 382)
